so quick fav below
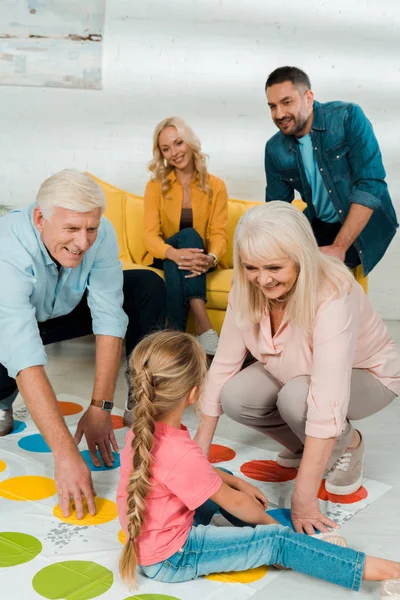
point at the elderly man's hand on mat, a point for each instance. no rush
(97, 426)
(307, 517)
(74, 483)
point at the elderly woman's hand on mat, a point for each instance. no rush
(307, 517)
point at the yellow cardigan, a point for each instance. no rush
(162, 216)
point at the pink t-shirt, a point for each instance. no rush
(348, 334)
(181, 480)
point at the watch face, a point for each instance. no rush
(107, 405)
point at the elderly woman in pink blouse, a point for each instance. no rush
(324, 357)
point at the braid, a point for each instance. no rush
(138, 487)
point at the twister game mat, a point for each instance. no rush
(44, 555)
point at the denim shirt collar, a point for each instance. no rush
(318, 124)
(318, 119)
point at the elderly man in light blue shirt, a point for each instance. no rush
(61, 278)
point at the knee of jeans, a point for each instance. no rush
(292, 400)
(189, 238)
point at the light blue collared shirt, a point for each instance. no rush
(33, 289)
(322, 203)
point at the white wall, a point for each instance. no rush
(207, 61)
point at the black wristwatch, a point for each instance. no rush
(106, 405)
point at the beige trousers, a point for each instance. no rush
(254, 398)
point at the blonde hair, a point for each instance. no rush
(279, 230)
(164, 368)
(72, 190)
(161, 170)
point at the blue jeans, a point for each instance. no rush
(179, 289)
(211, 549)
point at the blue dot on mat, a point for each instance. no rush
(18, 426)
(283, 516)
(86, 456)
(33, 443)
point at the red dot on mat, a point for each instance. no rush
(267, 470)
(360, 494)
(220, 453)
(117, 422)
(69, 408)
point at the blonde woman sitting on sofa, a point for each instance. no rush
(185, 224)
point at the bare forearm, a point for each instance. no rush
(206, 431)
(246, 509)
(108, 361)
(41, 402)
(356, 220)
(316, 455)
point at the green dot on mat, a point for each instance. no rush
(73, 580)
(17, 548)
(151, 597)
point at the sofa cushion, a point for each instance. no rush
(134, 230)
(115, 212)
(236, 208)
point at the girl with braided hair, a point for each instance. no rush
(168, 491)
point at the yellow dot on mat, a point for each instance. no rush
(240, 576)
(122, 537)
(3, 466)
(106, 511)
(27, 487)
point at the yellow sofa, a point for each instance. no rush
(126, 211)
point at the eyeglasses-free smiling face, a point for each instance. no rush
(68, 234)
(291, 108)
(174, 149)
(275, 278)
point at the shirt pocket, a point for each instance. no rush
(338, 161)
(291, 177)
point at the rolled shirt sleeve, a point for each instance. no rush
(105, 288)
(334, 345)
(227, 362)
(21, 346)
(368, 172)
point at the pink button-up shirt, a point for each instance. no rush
(348, 334)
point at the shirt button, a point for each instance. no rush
(330, 191)
(340, 211)
(316, 148)
(360, 251)
(321, 169)
(290, 179)
(337, 156)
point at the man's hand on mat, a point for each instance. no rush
(307, 517)
(96, 424)
(253, 492)
(74, 482)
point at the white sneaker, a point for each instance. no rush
(390, 589)
(209, 340)
(332, 538)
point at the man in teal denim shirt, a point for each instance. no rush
(329, 153)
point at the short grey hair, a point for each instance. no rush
(72, 190)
